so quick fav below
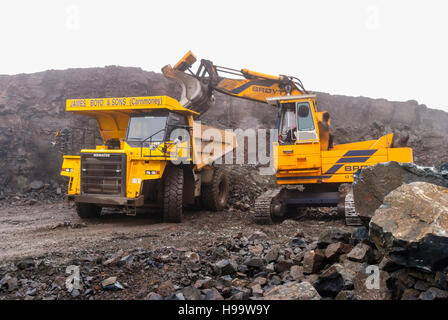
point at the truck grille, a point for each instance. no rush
(103, 173)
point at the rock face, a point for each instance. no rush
(372, 184)
(411, 227)
(32, 110)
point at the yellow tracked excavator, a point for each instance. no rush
(304, 153)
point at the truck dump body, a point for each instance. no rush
(112, 115)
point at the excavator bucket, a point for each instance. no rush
(195, 95)
(186, 62)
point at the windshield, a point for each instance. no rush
(150, 128)
(305, 117)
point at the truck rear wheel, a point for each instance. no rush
(88, 210)
(214, 194)
(173, 195)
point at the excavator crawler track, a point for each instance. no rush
(351, 217)
(263, 207)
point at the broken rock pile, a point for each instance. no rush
(35, 192)
(246, 185)
(338, 264)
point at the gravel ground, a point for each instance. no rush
(53, 237)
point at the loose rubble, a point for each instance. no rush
(322, 259)
(334, 265)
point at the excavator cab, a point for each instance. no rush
(296, 123)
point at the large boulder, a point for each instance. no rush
(411, 227)
(372, 184)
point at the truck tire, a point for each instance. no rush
(214, 194)
(88, 210)
(173, 190)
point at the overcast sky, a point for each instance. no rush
(382, 49)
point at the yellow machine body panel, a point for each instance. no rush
(304, 156)
(308, 164)
(112, 114)
(71, 167)
(257, 90)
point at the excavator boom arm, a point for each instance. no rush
(198, 87)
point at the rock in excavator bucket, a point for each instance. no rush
(195, 95)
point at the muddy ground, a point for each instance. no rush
(54, 237)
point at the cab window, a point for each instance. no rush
(288, 123)
(147, 127)
(177, 123)
(304, 117)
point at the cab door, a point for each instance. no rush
(299, 149)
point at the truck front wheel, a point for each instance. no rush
(88, 210)
(214, 194)
(173, 195)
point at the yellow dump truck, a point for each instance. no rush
(154, 155)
